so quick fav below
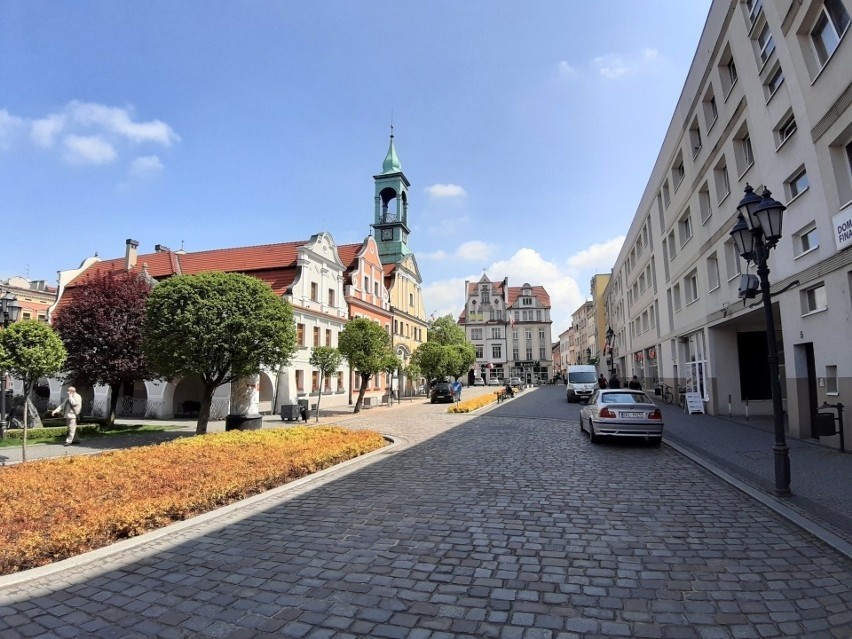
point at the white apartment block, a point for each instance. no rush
(766, 103)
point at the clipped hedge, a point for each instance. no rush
(473, 404)
(51, 431)
(57, 508)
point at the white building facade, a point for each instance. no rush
(766, 103)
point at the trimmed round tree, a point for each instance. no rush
(219, 326)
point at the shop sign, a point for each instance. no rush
(842, 225)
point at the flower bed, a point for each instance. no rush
(469, 405)
(58, 508)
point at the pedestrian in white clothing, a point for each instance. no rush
(70, 410)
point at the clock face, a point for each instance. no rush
(387, 234)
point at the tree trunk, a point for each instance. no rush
(114, 390)
(204, 411)
(364, 379)
(27, 390)
(319, 397)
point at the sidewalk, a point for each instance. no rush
(741, 452)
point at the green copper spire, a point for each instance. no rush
(391, 163)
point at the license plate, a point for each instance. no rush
(631, 414)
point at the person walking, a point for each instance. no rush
(614, 382)
(601, 381)
(634, 384)
(70, 410)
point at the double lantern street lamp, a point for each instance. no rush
(9, 309)
(758, 230)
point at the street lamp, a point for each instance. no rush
(9, 309)
(758, 230)
(610, 334)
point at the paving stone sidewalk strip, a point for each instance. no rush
(475, 525)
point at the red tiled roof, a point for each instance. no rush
(275, 258)
(349, 254)
(538, 292)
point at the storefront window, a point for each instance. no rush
(696, 365)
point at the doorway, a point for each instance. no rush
(806, 363)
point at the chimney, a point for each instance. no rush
(130, 255)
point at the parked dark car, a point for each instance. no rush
(441, 391)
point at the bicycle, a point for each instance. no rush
(665, 392)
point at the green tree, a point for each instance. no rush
(29, 350)
(365, 345)
(447, 353)
(219, 326)
(326, 360)
(102, 329)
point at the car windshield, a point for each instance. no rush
(625, 398)
(582, 377)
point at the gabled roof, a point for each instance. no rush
(272, 263)
(538, 292)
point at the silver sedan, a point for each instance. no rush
(619, 412)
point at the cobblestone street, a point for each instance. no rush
(470, 526)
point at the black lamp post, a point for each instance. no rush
(9, 309)
(610, 335)
(758, 230)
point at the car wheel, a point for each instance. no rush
(592, 437)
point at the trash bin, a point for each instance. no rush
(289, 412)
(825, 425)
(303, 409)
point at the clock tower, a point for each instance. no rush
(391, 214)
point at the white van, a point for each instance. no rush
(581, 382)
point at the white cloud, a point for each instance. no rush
(10, 125)
(472, 251)
(91, 149)
(44, 131)
(445, 190)
(527, 265)
(598, 257)
(614, 66)
(145, 166)
(566, 69)
(119, 122)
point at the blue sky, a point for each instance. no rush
(528, 130)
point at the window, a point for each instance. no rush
(411, 299)
(496, 351)
(366, 284)
(690, 285)
(672, 250)
(732, 260)
(314, 381)
(797, 184)
(331, 297)
(328, 337)
(676, 296)
(773, 81)
(784, 130)
(805, 240)
(704, 206)
(814, 299)
(744, 152)
(723, 182)
(316, 336)
(476, 333)
(300, 334)
(486, 295)
(712, 272)
(829, 28)
(711, 113)
(678, 172)
(754, 7)
(695, 137)
(831, 380)
(300, 381)
(684, 227)
(376, 289)
(666, 196)
(727, 72)
(479, 349)
(495, 333)
(765, 45)
(314, 292)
